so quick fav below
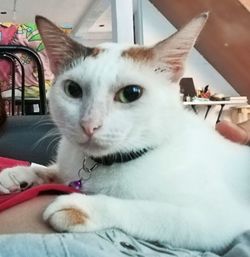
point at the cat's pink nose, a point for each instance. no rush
(90, 129)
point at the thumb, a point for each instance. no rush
(239, 133)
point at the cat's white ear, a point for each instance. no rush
(60, 48)
(171, 53)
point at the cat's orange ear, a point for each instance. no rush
(171, 53)
(61, 49)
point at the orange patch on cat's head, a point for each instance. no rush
(94, 52)
(139, 54)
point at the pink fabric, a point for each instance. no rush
(8, 163)
(6, 36)
(27, 35)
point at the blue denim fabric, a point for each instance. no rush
(108, 243)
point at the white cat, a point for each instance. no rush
(162, 173)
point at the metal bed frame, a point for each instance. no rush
(9, 52)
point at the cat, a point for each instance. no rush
(3, 115)
(145, 162)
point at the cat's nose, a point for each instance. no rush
(90, 129)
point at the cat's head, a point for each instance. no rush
(116, 98)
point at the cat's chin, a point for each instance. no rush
(94, 149)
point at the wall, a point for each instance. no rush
(156, 27)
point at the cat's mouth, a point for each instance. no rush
(97, 147)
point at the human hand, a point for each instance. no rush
(239, 133)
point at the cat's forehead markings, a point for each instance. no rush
(94, 52)
(82, 52)
(138, 53)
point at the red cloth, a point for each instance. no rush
(8, 163)
(7, 201)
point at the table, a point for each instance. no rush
(209, 104)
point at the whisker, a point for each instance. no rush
(51, 133)
(51, 143)
(43, 122)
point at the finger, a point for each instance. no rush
(233, 132)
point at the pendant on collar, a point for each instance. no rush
(89, 164)
(84, 173)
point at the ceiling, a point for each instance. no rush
(224, 41)
(246, 3)
(89, 19)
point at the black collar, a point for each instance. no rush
(119, 157)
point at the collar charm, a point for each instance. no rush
(91, 163)
(84, 173)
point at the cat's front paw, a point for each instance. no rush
(75, 213)
(17, 179)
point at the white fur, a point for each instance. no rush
(191, 190)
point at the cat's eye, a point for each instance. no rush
(72, 89)
(129, 94)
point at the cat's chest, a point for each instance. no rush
(158, 175)
(126, 180)
(119, 180)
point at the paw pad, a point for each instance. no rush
(75, 216)
(64, 219)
